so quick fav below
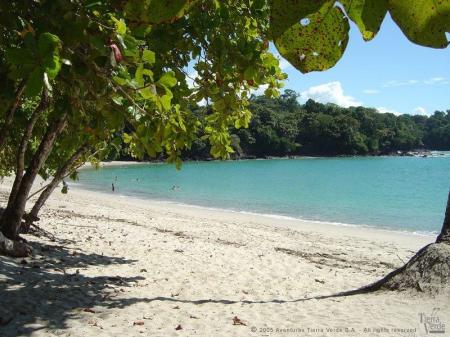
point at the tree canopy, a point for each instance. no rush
(284, 127)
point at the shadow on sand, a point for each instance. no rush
(40, 295)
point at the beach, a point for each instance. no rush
(122, 266)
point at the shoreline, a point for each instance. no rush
(114, 163)
(211, 213)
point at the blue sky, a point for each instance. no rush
(388, 73)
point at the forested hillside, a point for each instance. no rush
(283, 127)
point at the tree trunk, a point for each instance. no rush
(11, 112)
(445, 231)
(12, 217)
(59, 175)
(20, 160)
(13, 248)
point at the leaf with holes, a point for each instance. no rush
(284, 14)
(423, 21)
(367, 14)
(318, 43)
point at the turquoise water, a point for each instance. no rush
(400, 193)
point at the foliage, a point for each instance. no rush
(283, 127)
(134, 65)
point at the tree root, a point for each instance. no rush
(13, 248)
(427, 271)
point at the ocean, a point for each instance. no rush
(394, 193)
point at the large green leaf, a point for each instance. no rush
(148, 56)
(156, 11)
(48, 44)
(318, 43)
(52, 65)
(286, 13)
(168, 79)
(367, 14)
(423, 21)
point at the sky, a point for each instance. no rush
(389, 73)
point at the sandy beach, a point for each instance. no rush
(119, 266)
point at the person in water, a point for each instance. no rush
(112, 187)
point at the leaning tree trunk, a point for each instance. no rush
(445, 231)
(20, 160)
(59, 175)
(12, 216)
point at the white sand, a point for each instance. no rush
(163, 265)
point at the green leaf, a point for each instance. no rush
(34, 83)
(285, 14)
(121, 27)
(138, 76)
(168, 79)
(166, 102)
(317, 44)
(48, 43)
(148, 56)
(148, 93)
(52, 65)
(250, 72)
(423, 21)
(367, 14)
(127, 138)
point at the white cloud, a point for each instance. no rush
(430, 81)
(330, 93)
(396, 83)
(260, 90)
(436, 80)
(371, 91)
(384, 110)
(420, 111)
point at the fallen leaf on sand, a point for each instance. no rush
(237, 321)
(139, 323)
(179, 327)
(92, 311)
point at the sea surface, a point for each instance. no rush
(395, 193)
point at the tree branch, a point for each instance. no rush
(11, 112)
(20, 159)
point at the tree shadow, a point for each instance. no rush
(41, 295)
